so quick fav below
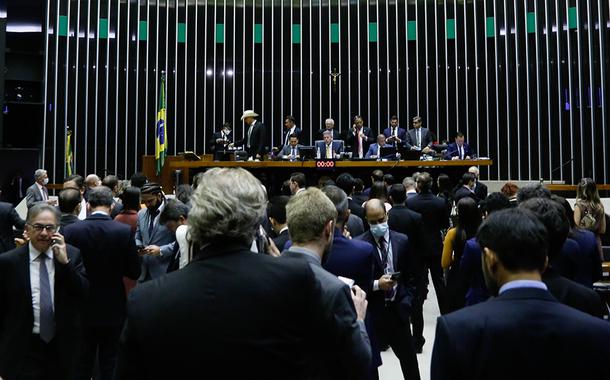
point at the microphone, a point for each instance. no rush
(559, 167)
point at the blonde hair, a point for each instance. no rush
(587, 191)
(307, 214)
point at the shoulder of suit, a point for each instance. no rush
(398, 236)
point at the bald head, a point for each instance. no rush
(92, 180)
(375, 211)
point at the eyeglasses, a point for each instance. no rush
(39, 227)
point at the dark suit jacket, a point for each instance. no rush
(409, 222)
(426, 138)
(287, 150)
(201, 311)
(573, 294)
(463, 192)
(8, 219)
(403, 263)
(588, 247)
(452, 151)
(220, 146)
(297, 131)
(258, 140)
(356, 208)
(470, 267)
(402, 135)
(66, 220)
(480, 190)
(33, 195)
(109, 254)
(435, 217)
(350, 354)
(522, 334)
(17, 316)
(281, 240)
(573, 264)
(336, 134)
(351, 140)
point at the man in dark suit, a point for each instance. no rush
(523, 332)
(204, 304)
(291, 129)
(9, 219)
(329, 125)
(329, 148)
(38, 193)
(112, 182)
(466, 189)
(359, 138)
(109, 254)
(458, 150)
(221, 140)
(568, 292)
(393, 295)
(69, 206)
(419, 138)
(291, 151)
(256, 136)
(157, 240)
(346, 182)
(480, 189)
(276, 212)
(312, 236)
(375, 149)
(395, 135)
(435, 218)
(42, 288)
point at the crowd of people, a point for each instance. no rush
(117, 279)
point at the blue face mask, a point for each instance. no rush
(379, 229)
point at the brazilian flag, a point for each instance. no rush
(161, 130)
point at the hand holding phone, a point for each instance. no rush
(395, 276)
(58, 246)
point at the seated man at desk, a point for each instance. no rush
(458, 150)
(329, 148)
(221, 140)
(291, 151)
(375, 149)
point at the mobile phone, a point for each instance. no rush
(395, 276)
(139, 247)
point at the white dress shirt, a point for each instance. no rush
(390, 265)
(35, 282)
(183, 245)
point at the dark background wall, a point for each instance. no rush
(525, 81)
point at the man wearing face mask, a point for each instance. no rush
(312, 237)
(524, 332)
(393, 287)
(153, 239)
(38, 193)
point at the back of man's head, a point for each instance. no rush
(174, 209)
(339, 199)
(408, 183)
(138, 179)
(389, 179)
(467, 178)
(92, 181)
(358, 185)
(111, 182)
(552, 216)
(377, 176)
(228, 206)
(69, 199)
(345, 182)
(518, 239)
(100, 196)
(308, 214)
(398, 194)
(424, 182)
(276, 208)
(532, 190)
(74, 181)
(495, 202)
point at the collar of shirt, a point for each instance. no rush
(517, 284)
(99, 212)
(283, 229)
(34, 253)
(305, 251)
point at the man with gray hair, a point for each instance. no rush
(230, 312)
(480, 189)
(312, 234)
(329, 125)
(109, 254)
(409, 184)
(329, 148)
(38, 193)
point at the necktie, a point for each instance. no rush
(47, 320)
(384, 252)
(151, 223)
(418, 138)
(394, 132)
(294, 152)
(328, 152)
(250, 133)
(45, 193)
(461, 153)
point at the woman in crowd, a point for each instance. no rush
(589, 212)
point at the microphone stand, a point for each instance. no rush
(559, 167)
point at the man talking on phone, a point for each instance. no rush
(312, 238)
(393, 293)
(42, 286)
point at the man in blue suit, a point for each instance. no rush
(392, 294)
(458, 150)
(329, 148)
(524, 332)
(375, 149)
(395, 135)
(109, 253)
(157, 242)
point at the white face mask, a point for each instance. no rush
(45, 181)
